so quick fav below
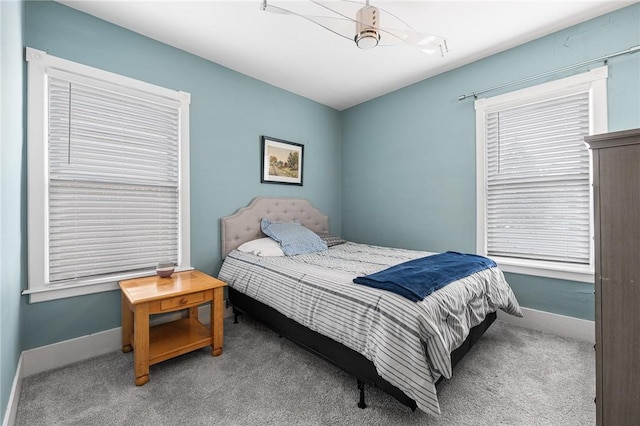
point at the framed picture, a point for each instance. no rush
(282, 161)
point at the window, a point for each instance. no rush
(535, 207)
(108, 178)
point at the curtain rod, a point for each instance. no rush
(605, 58)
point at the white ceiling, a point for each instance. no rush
(301, 57)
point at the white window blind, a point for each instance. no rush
(108, 178)
(538, 181)
(113, 181)
(534, 202)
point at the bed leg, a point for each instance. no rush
(361, 403)
(235, 315)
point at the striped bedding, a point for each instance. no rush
(409, 342)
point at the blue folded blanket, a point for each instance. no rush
(418, 278)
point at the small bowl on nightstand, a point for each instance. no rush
(165, 269)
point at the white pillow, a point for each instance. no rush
(262, 247)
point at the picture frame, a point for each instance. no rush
(282, 161)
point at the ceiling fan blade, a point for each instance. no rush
(427, 39)
(274, 9)
(394, 37)
(345, 8)
(337, 25)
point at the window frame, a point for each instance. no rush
(39, 289)
(595, 83)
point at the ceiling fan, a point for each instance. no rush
(368, 26)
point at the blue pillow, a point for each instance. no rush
(293, 237)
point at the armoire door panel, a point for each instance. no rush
(616, 174)
(619, 203)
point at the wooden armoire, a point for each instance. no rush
(616, 181)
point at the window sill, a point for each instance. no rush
(581, 273)
(47, 293)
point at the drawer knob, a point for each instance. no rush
(184, 301)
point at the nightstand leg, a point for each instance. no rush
(141, 344)
(127, 325)
(193, 312)
(217, 312)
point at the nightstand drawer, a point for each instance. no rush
(178, 301)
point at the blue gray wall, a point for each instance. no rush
(12, 206)
(409, 175)
(229, 112)
(398, 170)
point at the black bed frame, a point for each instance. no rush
(336, 353)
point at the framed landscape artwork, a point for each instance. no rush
(281, 161)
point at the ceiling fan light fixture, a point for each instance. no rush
(367, 39)
(338, 17)
(367, 22)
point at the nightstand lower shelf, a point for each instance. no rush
(176, 338)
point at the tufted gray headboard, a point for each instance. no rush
(244, 225)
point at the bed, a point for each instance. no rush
(384, 340)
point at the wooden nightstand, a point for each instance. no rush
(142, 297)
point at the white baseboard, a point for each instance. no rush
(560, 325)
(14, 396)
(81, 348)
(70, 351)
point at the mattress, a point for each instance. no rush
(408, 342)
